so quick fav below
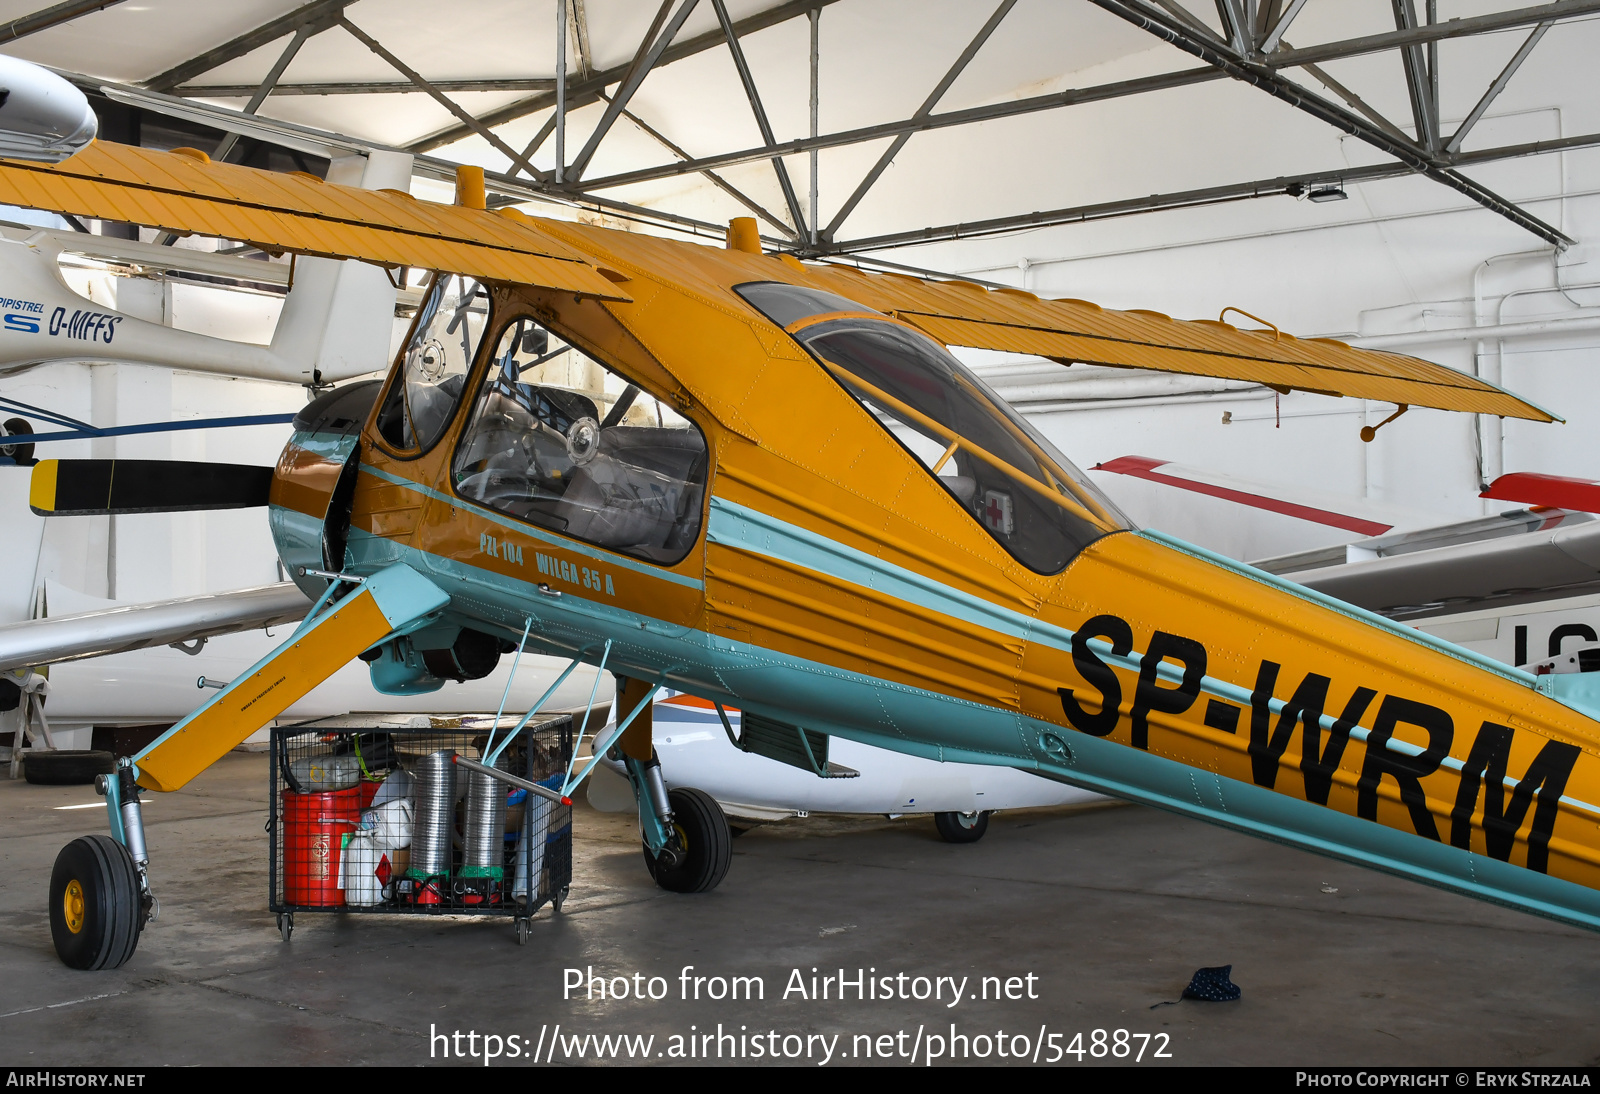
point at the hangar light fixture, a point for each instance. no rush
(1327, 193)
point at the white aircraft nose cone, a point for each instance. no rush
(42, 116)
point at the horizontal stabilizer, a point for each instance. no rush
(138, 626)
(74, 488)
(1555, 491)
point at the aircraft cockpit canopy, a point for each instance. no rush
(1006, 475)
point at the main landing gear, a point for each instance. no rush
(703, 845)
(687, 843)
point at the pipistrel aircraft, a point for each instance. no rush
(768, 484)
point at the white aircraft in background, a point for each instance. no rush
(1521, 586)
(755, 782)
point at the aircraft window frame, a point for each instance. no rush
(1087, 514)
(474, 395)
(397, 369)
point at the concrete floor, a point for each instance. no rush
(1111, 909)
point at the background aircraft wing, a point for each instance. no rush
(959, 313)
(135, 626)
(1409, 570)
(277, 211)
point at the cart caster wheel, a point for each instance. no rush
(559, 898)
(524, 929)
(286, 924)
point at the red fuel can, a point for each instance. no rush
(314, 826)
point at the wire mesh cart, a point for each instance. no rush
(374, 814)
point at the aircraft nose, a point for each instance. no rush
(42, 116)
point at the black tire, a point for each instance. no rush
(66, 767)
(706, 841)
(104, 907)
(960, 827)
(21, 453)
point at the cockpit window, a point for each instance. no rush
(1028, 496)
(559, 440)
(434, 366)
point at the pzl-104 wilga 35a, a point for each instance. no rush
(769, 484)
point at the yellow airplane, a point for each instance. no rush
(768, 483)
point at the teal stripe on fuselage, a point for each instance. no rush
(533, 532)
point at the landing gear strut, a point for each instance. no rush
(704, 845)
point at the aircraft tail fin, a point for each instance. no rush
(338, 317)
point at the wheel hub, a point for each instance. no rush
(72, 906)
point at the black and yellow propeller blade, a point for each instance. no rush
(73, 488)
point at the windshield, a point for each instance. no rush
(1024, 493)
(437, 357)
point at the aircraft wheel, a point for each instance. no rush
(706, 842)
(95, 912)
(961, 827)
(21, 454)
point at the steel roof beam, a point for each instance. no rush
(711, 176)
(578, 20)
(784, 182)
(1417, 78)
(1235, 25)
(1215, 195)
(53, 16)
(438, 96)
(585, 92)
(265, 89)
(989, 112)
(369, 87)
(1425, 161)
(642, 64)
(1356, 102)
(1495, 88)
(1281, 27)
(1185, 199)
(319, 14)
(1196, 23)
(1432, 32)
(922, 112)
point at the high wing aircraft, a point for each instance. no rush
(767, 483)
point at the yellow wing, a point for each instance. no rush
(181, 192)
(959, 313)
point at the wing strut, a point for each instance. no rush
(389, 601)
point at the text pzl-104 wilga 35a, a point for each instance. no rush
(769, 484)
